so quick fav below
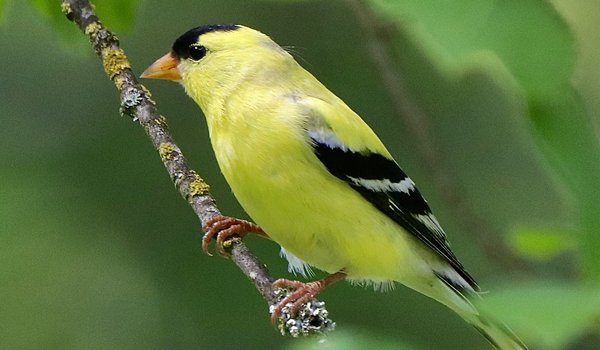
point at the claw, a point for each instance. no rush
(224, 227)
(301, 293)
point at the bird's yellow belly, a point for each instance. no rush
(317, 217)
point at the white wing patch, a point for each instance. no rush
(296, 265)
(384, 185)
(327, 138)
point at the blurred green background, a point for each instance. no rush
(98, 250)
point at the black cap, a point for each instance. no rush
(181, 47)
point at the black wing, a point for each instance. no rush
(381, 181)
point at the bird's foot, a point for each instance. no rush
(224, 228)
(300, 294)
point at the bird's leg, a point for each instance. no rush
(225, 227)
(301, 294)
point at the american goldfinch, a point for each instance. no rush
(313, 175)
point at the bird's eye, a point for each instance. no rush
(197, 52)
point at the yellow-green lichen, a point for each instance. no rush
(198, 187)
(119, 82)
(114, 61)
(166, 150)
(146, 91)
(148, 95)
(65, 7)
(228, 243)
(161, 121)
(92, 28)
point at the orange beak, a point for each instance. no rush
(163, 68)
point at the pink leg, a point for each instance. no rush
(302, 293)
(225, 227)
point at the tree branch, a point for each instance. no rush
(416, 120)
(136, 103)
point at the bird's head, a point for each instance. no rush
(211, 60)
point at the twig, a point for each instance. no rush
(418, 124)
(136, 103)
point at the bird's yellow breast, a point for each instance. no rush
(282, 185)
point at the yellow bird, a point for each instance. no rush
(313, 175)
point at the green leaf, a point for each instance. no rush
(542, 243)
(526, 42)
(349, 340)
(547, 314)
(118, 15)
(522, 34)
